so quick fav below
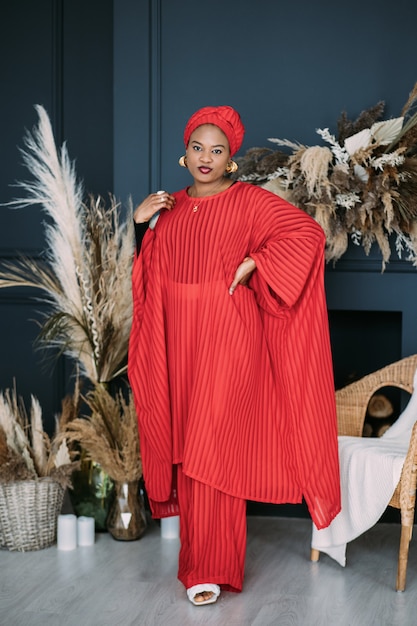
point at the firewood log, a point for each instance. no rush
(380, 406)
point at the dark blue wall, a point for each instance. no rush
(58, 53)
(289, 68)
(120, 79)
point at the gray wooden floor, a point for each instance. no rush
(120, 584)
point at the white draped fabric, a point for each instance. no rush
(369, 472)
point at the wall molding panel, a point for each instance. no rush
(155, 74)
(57, 53)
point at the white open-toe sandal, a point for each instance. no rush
(196, 589)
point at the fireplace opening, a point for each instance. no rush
(362, 342)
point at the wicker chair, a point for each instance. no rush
(352, 402)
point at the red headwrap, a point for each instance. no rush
(225, 118)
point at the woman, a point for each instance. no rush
(229, 357)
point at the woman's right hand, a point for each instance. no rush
(151, 205)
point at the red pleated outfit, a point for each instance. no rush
(236, 391)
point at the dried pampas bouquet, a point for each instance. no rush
(26, 451)
(109, 435)
(85, 273)
(360, 187)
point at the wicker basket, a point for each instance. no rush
(29, 512)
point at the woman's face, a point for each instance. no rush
(207, 153)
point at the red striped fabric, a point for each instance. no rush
(212, 534)
(239, 389)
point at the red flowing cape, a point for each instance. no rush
(239, 389)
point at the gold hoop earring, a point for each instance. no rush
(183, 161)
(232, 167)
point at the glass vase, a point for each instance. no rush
(92, 493)
(127, 519)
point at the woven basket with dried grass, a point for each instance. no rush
(34, 472)
(29, 511)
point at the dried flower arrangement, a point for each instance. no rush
(109, 435)
(26, 451)
(85, 275)
(362, 185)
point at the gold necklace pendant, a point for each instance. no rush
(195, 208)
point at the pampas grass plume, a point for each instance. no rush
(85, 275)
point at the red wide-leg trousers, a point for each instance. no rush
(213, 535)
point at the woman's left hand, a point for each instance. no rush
(243, 273)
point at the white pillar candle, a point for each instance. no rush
(170, 527)
(67, 532)
(85, 531)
